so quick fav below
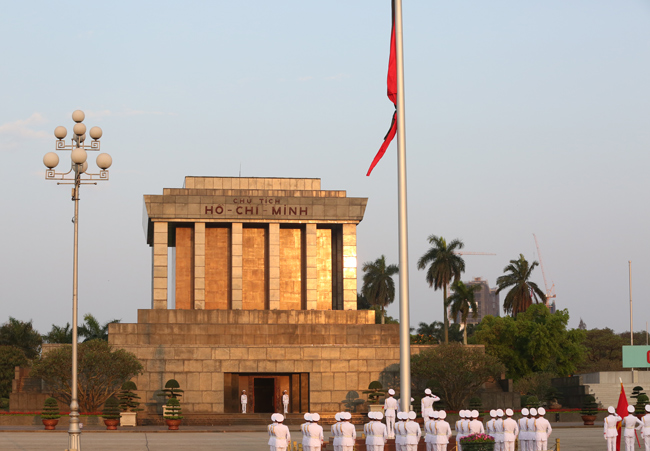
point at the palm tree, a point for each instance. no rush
(91, 329)
(378, 283)
(523, 291)
(445, 265)
(462, 302)
(59, 334)
(432, 330)
(21, 335)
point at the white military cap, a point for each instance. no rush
(348, 416)
(379, 416)
(461, 413)
(499, 412)
(509, 412)
(533, 412)
(307, 416)
(611, 410)
(647, 407)
(315, 417)
(541, 411)
(391, 392)
(442, 415)
(337, 417)
(524, 412)
(274, 417)
(435, 415)
(630, 409)
(493, 413)
(371, 415)
(412, 415)
(427, 391)
(280, 418)
(474, 413)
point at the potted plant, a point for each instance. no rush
(475, 403)
(375, 392)
(111, 413)
(173, 413)
(172, 390)
(589, 410)
(50, 415)
(477, 442)
(128, 404)
(639, 407)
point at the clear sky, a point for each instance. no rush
(522, 117)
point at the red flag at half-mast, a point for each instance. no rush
(621, 411)
(392, 95)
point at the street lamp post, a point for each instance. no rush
(77, 175)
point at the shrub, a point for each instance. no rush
(172, 389)
(128, 398)
(375, 392)
(50, 409)
(641, 401)
(111, 409)
(589, 406)
(532, 402)
(475, 403)
(173, 410)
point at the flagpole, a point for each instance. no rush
(404, 321)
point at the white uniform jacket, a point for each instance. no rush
(390, 407)
(413, 432)
(430, 432)
(348, 433)
(376, 433)
(609, 425)
(646, 425)
(476, 427)
(523, 429)
(631, 423)
(271, 429)
(443, 432)
(542, 429)
(510, 430)
(282, 436)
(315, 434)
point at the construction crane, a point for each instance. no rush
(550, 292)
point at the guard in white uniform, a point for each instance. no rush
(498, 431)
(315, 431)
(531, 428)
(631, 423)
(443, 431)
(458, 428)
(646, 427)
(609, 428)
(348, 432)
(400, 432)
(542, 430)
(376, 433)
(285, 402)
(304, 428)
(335, 432)
(413, 432)
(489, 426)
(524, 433)
(271, 429)
(510, 431)
(430, 433)
(475, 426)
(390, 408)
(244, 401)
(282, 435)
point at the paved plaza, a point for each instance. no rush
(228, 439)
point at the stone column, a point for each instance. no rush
(349, 266)
(199, 266)
(274, 266)
(159, 266)
(237, 261)
(311, 276)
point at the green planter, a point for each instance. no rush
(478, 446)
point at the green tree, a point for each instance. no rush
(603, 351)
(10, 358)
(522, 290)
(59, 335)
(445, 266)
(537, 340)
(92, 330)
(21, 335)
(378, 283)
(101, 372)
(461, 303)
(455, 372)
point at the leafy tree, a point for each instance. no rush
(378, 283)
(457, 371)
(92, 330)
(10, 358)
(101, 372)
(21, 335)
(522, 290)
(603, 351)
(445, 266)
(582, 325)
(537, 340)
(434, 333)
(462, 303)
(59, 335)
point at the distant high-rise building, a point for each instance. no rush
(487, 301)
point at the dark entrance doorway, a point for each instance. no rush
(264, 393)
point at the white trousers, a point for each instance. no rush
(374, 447)
(442, 447)
(410, 447)
(390, 425)
(431, 446)
(629, 443)
(243, 407)
(347, 448)
(541, 444)
(646, 442)
(611, 443)
(286, 408)
(509, 446)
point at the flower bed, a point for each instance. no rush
(477, 442)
